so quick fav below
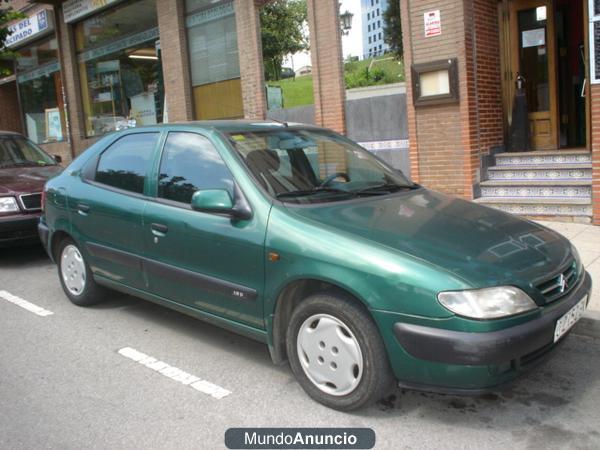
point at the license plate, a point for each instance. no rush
(566, 322)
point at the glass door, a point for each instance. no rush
(533, 57)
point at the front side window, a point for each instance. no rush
(125, 163)
(189, 163)
(309, 166)
(16, 151)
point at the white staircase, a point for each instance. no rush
(541, 183)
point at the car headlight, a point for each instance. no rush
(8, 205)
(488, 303)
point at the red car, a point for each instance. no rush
(24, 169)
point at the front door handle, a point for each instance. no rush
(159, 229)
(83, 209)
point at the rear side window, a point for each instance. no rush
(190, 162)
(124, 164)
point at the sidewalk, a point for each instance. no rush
(586, 239)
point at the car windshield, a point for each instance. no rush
(16, 151)
(312, 166)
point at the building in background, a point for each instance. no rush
(86, 68)
(372, 27)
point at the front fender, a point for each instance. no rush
(380, 277)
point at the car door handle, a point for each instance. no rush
(83, 209)
(159, 229)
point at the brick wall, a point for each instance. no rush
(435, 131)
(327, 64)
(595, 134)
(411, 118)
(70, 79)
(10, 114)
(488, 75)
(446, 141)
(247, 21)
(175, 61)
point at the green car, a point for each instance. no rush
(299, 238)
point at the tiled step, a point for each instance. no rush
(536, 189)
(544, 158)
(541, 172)
(540, 207)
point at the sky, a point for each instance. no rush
(351, 44)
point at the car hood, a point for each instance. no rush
(481, 245)
(23, 180)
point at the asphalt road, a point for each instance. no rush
(64, 385)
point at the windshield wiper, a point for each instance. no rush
(385, 188)
(317, 190)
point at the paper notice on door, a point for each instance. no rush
(534, 38)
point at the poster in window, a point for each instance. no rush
(143, 109)
(53, 125)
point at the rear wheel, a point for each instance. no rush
(336, 353)
(75, 275)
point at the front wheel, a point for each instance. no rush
(336, 353)
(75, 275)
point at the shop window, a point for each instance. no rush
(41, 91)
(214, 60)
(120, 68)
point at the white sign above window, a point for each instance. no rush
(78, 9)
(27, 29)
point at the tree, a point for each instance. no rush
(392, 28)
(282, 24)
(7, 14)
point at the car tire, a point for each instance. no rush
(336, 352)
(75, 275)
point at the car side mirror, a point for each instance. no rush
(212, 200)
(219, 201)
(58, 158)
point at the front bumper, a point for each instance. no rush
(18, 229)
(494, 347)
(441, 355)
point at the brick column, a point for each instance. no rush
(175, 59)
(327, 64)
(247, 21)
(447, 140)
(70, 78)
(10, 113)
(411, 118)
(595, 134)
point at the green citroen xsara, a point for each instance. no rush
(299, 238)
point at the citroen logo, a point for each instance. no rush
(562, 282)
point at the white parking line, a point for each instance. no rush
(174, 373)
(25, 304)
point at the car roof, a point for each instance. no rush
(243, 125)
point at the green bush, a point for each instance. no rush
(384, 70)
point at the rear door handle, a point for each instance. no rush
(159, 229)
(83, 209)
